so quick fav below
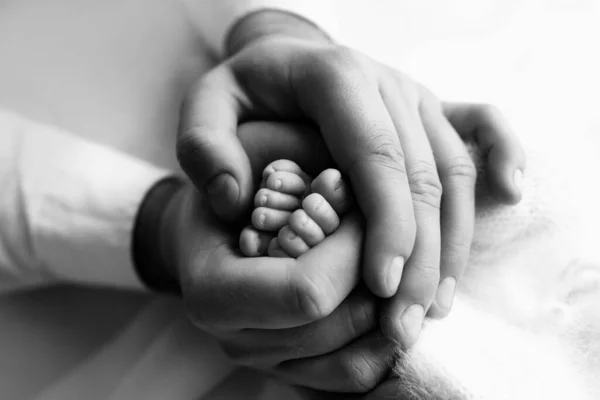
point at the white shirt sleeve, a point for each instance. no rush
(67, 207)
(214, 18)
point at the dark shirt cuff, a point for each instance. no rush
(149, 264)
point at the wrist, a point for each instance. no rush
(151, 264)
(268, 23)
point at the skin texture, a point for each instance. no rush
(390, 135)
(266, 312)
(296, 220)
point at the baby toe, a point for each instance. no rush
(275, 249)
(286, 166)
(321, 212)
(254, 243)
(291, 242)
(269, 219)
(276, 200)
(334, 189)
(306, 228)
(286, 182)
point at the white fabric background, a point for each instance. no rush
(115, 71)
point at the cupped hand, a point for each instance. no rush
(303, 319)
(409, 169)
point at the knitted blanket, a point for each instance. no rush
(526, 320)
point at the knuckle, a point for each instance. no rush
(425, 185)
(488, 112)
(313, 295)
(341, 59)
(337, 66)
(461, 169)
(361, 372)
(427, 271)
(408, 87)
(382, 149)
(459, 175)
(429, 99)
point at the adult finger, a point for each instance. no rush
(458, 176)
(420, 278)
(207, 145)
(358, 367)
(344, 100)
(260, 348)
(505, 157)
(272, 293)
(390, 389)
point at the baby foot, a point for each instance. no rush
(284, 222)
(282, 188)
(316, 219)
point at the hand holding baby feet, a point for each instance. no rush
(303, 212)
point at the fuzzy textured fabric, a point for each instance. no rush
(526, 320)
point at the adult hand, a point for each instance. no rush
(393, 387)
(386, 132)
(389, 388)
(298, 319)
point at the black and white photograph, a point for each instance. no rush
(299, 199)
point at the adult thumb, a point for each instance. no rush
(208, 148)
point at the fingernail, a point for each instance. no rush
(445, 293)
(338, 185)
(223, 188)
(395, 274)
(411, 321)
(263, 200)
(518, 180)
